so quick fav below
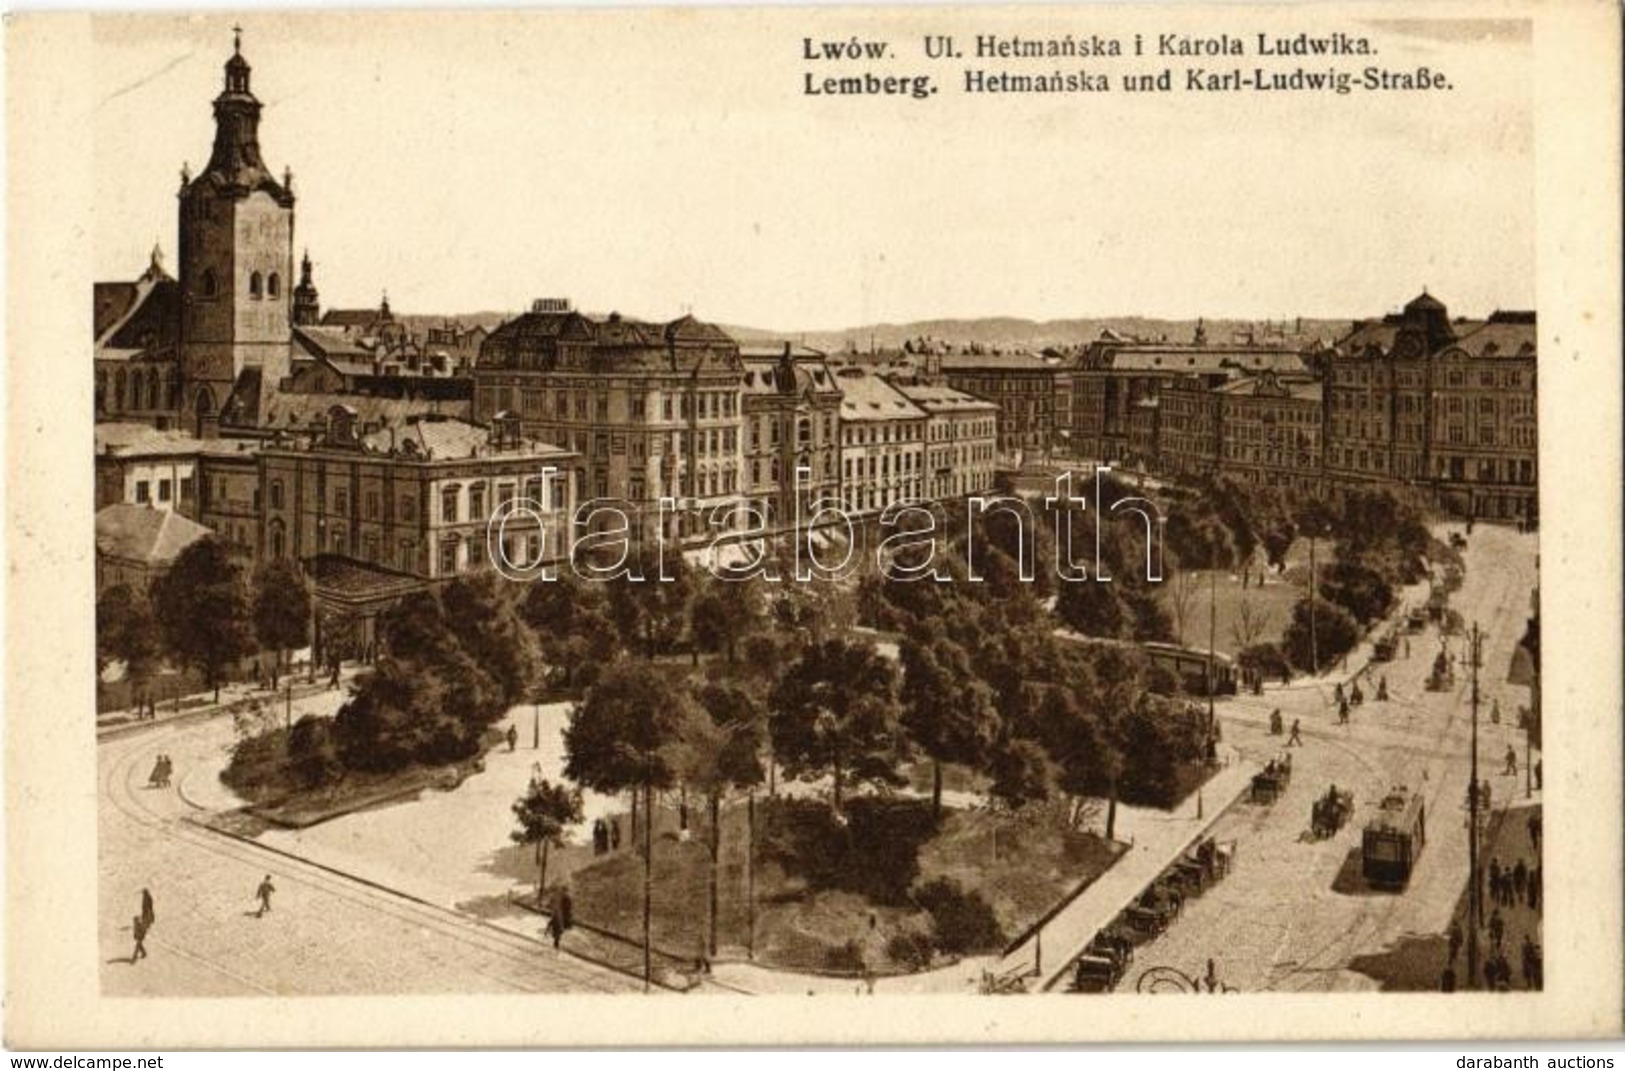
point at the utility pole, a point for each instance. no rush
(1314, 645)
(648, 878)
(1212, 629)
(1475, 907)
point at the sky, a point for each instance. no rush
(658, 162)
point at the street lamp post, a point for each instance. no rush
(1212, 629)
(1475, 907)
(1314, 645)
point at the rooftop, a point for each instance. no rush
(144, 534)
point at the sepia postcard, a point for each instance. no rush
(797, 525)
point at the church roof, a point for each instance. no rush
(144, 534)
(135, 318)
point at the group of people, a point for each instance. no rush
(162, 768)
(606, 835)
(1514, 886)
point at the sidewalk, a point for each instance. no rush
(1158, 838)
(115, 723)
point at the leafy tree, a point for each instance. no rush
(625, 734)
(836, 714)
(722, 613)
(1335, 634)
(570, 621)
(1357, 588)
(543, 813)
(398, 714)
(650, 613)
(717, 754)
(282, 607)
(1022, 772)
(947, 709)
(480, 611)
(202, 609)
(127, 631)
(424, 645)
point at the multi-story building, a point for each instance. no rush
(1444, 406)
(1118, 388)
(140, 465)
(136, 545)
(883, 438)
(1270, 431)
(1190, 415)
(961, 440)
(375, 514)
(1034, 396)
(791, 431)
(653, 410)
(1482, 458)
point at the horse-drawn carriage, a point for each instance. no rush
(1156, 908)
(1271, 781)
(1383, 650)
(1331, 812)
(1103, 963)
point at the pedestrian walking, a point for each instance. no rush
(1294, 740)
(1512, 762)
(147, 914)
(567, 910)
(1537, 773)
(615, 833)
(513, 738)
(138, 927)
(1455, 939)
(1534, 831)
(1498, 927)
(555, 929)
(1495, 712)
(263, 894)
(1528, 962)
(1520, 877)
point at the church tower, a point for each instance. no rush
(307, 305)
(236, 260)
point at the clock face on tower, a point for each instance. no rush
(1407, 346)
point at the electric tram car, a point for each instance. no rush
(1393, 840)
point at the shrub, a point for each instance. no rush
(1335, 634)
(313, 752)
(911, 950)
(961, 922)
(846, 958)
(1264, 659)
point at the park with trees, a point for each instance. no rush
(857, 776)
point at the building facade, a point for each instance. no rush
(1034, 396)
(961, 440)
(1270, 432)
(883, 437)
(651, 410)
(791, 411)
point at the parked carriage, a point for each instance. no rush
(1331, 812)
(1383, 649)
(1101, 965)
(1394, 838)
(1271, 781)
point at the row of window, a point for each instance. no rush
(593, 403)
(144, 491)
(868, 434)
(138, 390)
(259, 286)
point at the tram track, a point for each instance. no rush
(118, 786)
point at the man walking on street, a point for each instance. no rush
(1294, 740)
(147, 914)
(138, 926)
(513, 738)
(1512, 763)
(264, 894)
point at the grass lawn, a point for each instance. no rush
(813, 914)
(1271, 607)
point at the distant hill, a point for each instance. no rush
(1007, 332)
(1004, 332)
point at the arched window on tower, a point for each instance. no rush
(118, 390)
(255, 285)
(210, 286)
(152, 388)
(273, 286)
